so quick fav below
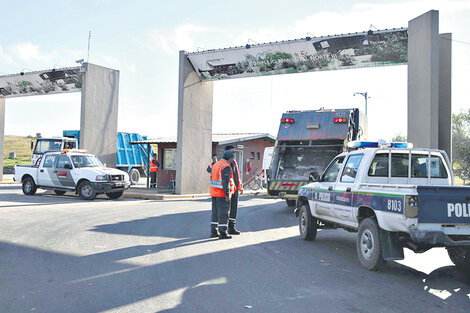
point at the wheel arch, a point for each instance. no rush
(364, 212)
(300, 201)
(79, 182)
(26, 176)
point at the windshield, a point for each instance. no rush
(44, 145)
(86, 161)
(297, 162)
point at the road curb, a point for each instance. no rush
(178, 197)
(164, 197)
(9, 183)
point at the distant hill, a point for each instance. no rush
(21, 146)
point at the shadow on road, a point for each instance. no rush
(42, 197)
(226, 280)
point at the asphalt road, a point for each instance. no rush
(61, 254)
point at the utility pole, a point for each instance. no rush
(364, 94)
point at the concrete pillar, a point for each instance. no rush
(194, 147)
(2, 134)
(423, 80)
(99, 112)
(445, 93)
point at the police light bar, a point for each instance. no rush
(377, 144)
(363, 144)
(403, 145)
(74, 150)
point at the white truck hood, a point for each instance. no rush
(105, 171)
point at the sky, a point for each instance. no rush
(142, 40)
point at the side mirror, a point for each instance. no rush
(32, 145)
(313, 177)
(68, 166)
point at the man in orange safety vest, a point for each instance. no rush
(222, 189)
(154, 164)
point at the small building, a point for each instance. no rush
(249, 150)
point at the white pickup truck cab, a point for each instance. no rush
(394, 197)
(72, 170)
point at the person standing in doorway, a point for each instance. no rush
(238, 190)
(222, 188)
(154, 164)
(214, 160)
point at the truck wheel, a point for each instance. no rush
(290, 203)
(59, 192)
(134, 176)
(85, 191)
(307, 224)
(369, 248)
(29, 187)
(114, 195)
(460, 256)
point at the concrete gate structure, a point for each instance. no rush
(429, 86)
(99, 87)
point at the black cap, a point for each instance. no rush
(228, 154)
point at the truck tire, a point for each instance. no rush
(291, 203)
(86, 191)
(460, 256)
(368, 245)
(29, 187)
(308, 224)
(115, 195)
(60, 192)
(134, 176)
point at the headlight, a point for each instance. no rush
(102, 178)
(411, 206)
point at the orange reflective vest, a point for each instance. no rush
(238, 183)
(217, 187)
(153, 167)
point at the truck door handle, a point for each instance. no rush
(42, 171)
(348, 189)
(330, 188)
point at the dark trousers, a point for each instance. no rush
(215, 215)
(233, 207)
(153, 179)
(222, 213)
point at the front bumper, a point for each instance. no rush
(436, 238)
(110, 186)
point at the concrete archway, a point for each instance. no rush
(428, 55)
(99, 87)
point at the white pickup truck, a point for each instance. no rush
(72, 170)
(393, 197)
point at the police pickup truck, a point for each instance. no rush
(393, 196)
(72, 170)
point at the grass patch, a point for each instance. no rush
(21, 146)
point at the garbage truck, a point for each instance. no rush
(132, 159)
(306, 142)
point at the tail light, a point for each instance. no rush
(287, 120)
(340, 120)
(411, 206)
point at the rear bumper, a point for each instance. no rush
(110, 186)
(436, 238)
